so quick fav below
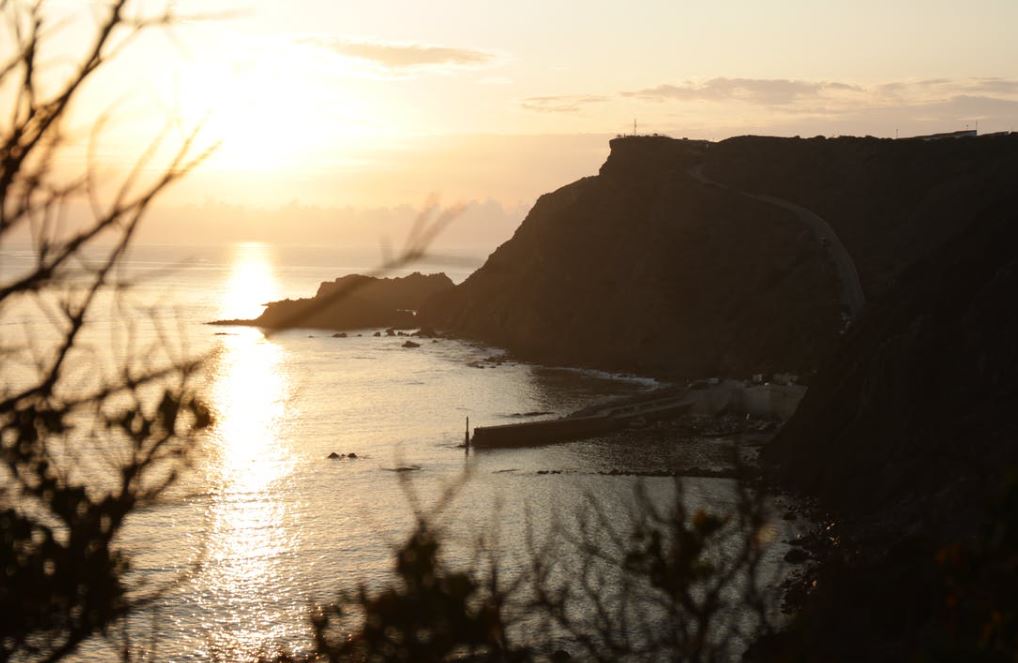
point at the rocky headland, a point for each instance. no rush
(645, 268)
(687, 258)
(354, 302)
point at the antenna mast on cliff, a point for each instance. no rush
(634, 126)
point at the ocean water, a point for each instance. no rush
(264, 525)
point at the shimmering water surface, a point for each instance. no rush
(265, 525)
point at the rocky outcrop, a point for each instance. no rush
(354, 302)
(645, 268)
(407, 292)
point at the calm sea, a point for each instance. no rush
(265, 525)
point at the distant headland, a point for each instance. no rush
(353, 302)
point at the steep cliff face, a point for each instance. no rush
(649, 267)
(645, 268)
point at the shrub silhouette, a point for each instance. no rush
(428, 613)
(61, 572)
(659, 587)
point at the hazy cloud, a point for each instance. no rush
(939, 88)
(762, 91)
(794, 106)
(995, 85)
(825, 96)
(911, 118)
(976, 107)
(926, 105)
(561, 103)
(406, 56)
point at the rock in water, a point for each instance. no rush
(411, 344)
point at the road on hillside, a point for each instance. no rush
(852, 298)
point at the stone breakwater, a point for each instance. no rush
(766, 401)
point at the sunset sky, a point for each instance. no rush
(335, 104)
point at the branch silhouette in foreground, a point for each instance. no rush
(77, 459)
(666, 583)
(76, 462)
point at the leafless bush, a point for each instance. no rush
(76, 462)
(664, 584)
(76, 458)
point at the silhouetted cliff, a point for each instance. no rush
(643, 267)
(892, 202)
(928, 380)
(691, 258)
(354, 302)
(910, 435)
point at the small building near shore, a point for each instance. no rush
(966, 133)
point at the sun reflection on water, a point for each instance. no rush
(248, 531)
(251, 283)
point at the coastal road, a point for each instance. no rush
(852, 298)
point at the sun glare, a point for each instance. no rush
(251, 283)
(249, 392)
(249, 395)
(267, 111)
